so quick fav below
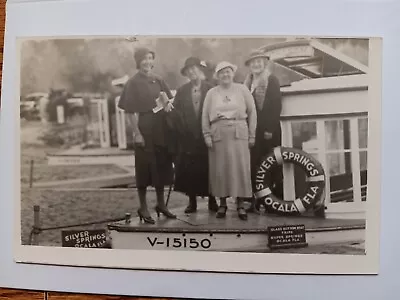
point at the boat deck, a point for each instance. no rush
(205, 221)
(202, 231)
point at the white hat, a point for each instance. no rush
(225, 64)
(120, 81)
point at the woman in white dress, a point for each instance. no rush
(229, 123)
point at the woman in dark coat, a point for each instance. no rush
(265, 89)
(153, 160)
(191, 176)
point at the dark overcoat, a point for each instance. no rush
(191, 174)
(153, 162)
(268, 120)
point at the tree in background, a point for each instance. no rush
(89, 65)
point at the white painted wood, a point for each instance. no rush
(332, 237)
(60, 114)
(289, 191)
(121, 126)
(102, 126)
(327, 84)
(346, 210)
(350, 215)
(355, 160)
(106, 124)
(219, 241)
(223, 241)
(347, 207)
(99, 123)
(321, 137)
(320, 104)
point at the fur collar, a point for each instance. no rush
(262, 80)
(260, 89)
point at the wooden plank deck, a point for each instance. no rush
(204, 232)
(204, 221)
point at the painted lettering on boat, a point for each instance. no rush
(179, 242)
(309, 198)
(302, 160)
(277, 205)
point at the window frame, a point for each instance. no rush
(322, 152)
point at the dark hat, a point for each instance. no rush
(140, 54)
(193, 61)
(256, 54)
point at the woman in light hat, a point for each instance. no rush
(265, 89)
(191, 175)
(153, 160)
(229, 123)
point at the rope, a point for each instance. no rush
(36, 230)
(31, 236)
(82, 224)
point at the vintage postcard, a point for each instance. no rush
(214, 153)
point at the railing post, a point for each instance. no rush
(127, 218)
(60, 114)
(31, 173)
(36, 224)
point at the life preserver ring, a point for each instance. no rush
(315, 182)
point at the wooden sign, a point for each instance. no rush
(287, 236)
(84, 238)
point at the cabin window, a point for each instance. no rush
(363, 145)
(339, 160)
(340, 144)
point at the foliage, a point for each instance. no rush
(68, 134)
(89, 65)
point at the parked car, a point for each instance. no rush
(29, 106)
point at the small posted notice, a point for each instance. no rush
(288, 236)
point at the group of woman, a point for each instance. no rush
(215, 136)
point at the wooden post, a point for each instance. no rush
(31, 174)
(36, 224)
(60, 114)
(127, 218)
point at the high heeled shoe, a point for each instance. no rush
(221, 213)
(146, 219)
(165, 212)
(242, 213)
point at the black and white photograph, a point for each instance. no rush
(214, 148)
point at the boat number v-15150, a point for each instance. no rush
(179, 242)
